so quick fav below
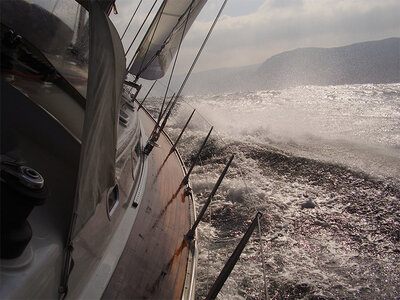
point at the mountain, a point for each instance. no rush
(368, 62)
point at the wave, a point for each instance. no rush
(327, 251)
(322, 165)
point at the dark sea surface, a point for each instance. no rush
(322, 164)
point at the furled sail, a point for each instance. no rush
(97, 165)
(161, 41)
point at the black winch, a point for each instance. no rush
(22, 188)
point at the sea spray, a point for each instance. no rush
(335, 146)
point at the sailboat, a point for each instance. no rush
(85, 213)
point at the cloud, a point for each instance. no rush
(251, 31)
(280, 25)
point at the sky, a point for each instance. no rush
(251, 31)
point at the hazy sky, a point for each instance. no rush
(250, 31)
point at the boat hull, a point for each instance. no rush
(158, 262)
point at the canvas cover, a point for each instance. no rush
(107, 70)
(161, 41)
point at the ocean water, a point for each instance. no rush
(334, 147)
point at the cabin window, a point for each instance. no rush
(59, 29)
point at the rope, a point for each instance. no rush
(130, 21)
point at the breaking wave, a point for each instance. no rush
(322, 164)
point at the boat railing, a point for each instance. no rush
(189, 142)
(173, 110)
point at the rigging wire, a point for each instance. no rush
(130, 21)
(240, 169)
(140, 28)
(54, 7)
(198, 53)
(176, 28)
(262, 258)
(208, 242)
(208, 238)
(209, 250)
(201, 49)
(194, 61)
(148, 46)
(76, 19)
(248, 192)
(147, 94)
(174, 64)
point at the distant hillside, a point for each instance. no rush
(368, 62)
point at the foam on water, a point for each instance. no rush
(350, 124)
(336, 146)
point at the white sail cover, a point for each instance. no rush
(106, 76)
(161, 41)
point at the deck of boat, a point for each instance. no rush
(154, 262)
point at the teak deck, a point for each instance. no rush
(154, 261)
